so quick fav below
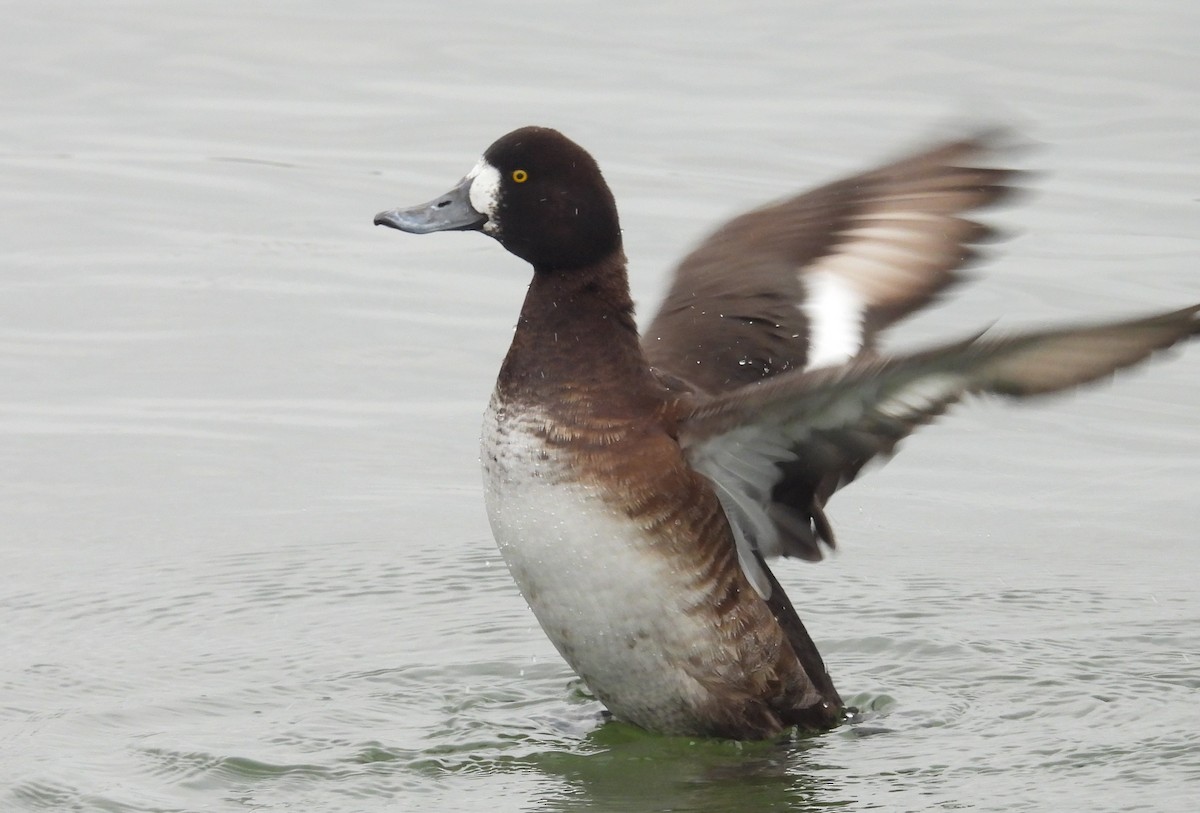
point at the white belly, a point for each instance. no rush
(616, 609)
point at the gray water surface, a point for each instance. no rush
(245, 561)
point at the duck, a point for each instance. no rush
(638, 483)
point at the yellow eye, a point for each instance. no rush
(520, 175)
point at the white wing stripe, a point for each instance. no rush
(835, 318)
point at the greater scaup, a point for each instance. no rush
(636, 486)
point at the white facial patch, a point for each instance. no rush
(484, 192)
(835, 319)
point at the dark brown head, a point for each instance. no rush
(537, 192)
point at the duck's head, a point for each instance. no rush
(537, 192)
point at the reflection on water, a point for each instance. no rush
(247, 562)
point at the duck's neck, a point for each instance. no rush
(576, 336)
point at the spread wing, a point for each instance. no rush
(810, 281)
(810, 432)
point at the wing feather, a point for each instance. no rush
(753, 300)
(778, 449)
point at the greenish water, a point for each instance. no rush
(245, 561)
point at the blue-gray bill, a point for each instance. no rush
(449, 212)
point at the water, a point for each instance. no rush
(245, 560)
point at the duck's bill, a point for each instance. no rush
(449, 212)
